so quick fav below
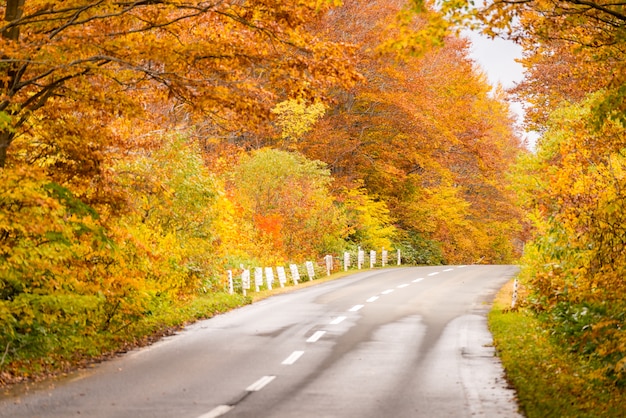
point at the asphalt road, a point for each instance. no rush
(406, 342)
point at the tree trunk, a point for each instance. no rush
(6, 137)
(13, 12)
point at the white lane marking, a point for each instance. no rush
(386, 292)
(316, 336)
(461, 267)
(217, 411)
(372, 299)
(433, 274)
(292, 358)
(338, 320)
(355, 308)
(402, 286)
(260, 384)
(448, 269)
(418, 280)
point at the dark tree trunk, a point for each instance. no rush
(13, 12)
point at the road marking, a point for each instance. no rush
(260, 384)
(402, 286)
(372, 299)
(217, 411)
(338, 320)
(461, 267)
(418, 280)
(292, 358)
(386, 292)
(433, 274)
(355, 308)
(448, 269)
(316, 336)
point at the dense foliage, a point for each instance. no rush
(146, 147)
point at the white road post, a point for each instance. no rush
(329, 264)
(258, 278)
(295, 274)
(360, 258)
(245, 280)
(269, 277)
(346, 260)
(282, 277)
(310, 270)
(230, 281)
(398, 256)
(372, 259)
(384, 256)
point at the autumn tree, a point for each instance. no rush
(287, 198)
(425, 134)
(569, 47)
(83, 64)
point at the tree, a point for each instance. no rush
(287, 198)
(574, 191)
(75, 63)
(570, 46)
(425, 135)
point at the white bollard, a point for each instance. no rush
(230, 282)
(398, 256)
(310, 270)
(384, 256)
(258, 278)
(329, 264)
(282, 277)
(372, 259)
(295, 274)
(245, 280)
(269, 277)
(360, 258)
(346, 261)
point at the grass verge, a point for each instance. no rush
(550, 380)
(66, 353)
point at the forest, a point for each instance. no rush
(146, 147)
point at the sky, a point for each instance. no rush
(497, 58)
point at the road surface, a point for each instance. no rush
(405, 342)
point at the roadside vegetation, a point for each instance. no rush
(142, 156)
(147, 148)
(551, 378)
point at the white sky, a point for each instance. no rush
(497, 58)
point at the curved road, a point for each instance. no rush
(406, 342)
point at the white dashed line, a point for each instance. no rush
(418, 280)
(338, 320)
(260, 384)
(217, 411)
(433, 274)
(292, 358)
(372, 299)
(355, 308)
(461, 267)
(402, 286)
(386, 292)
(448, 269)
(316, 336)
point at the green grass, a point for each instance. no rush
(70, 349)
(67, 351)
(550, 380)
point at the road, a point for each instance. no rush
(403, 342)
